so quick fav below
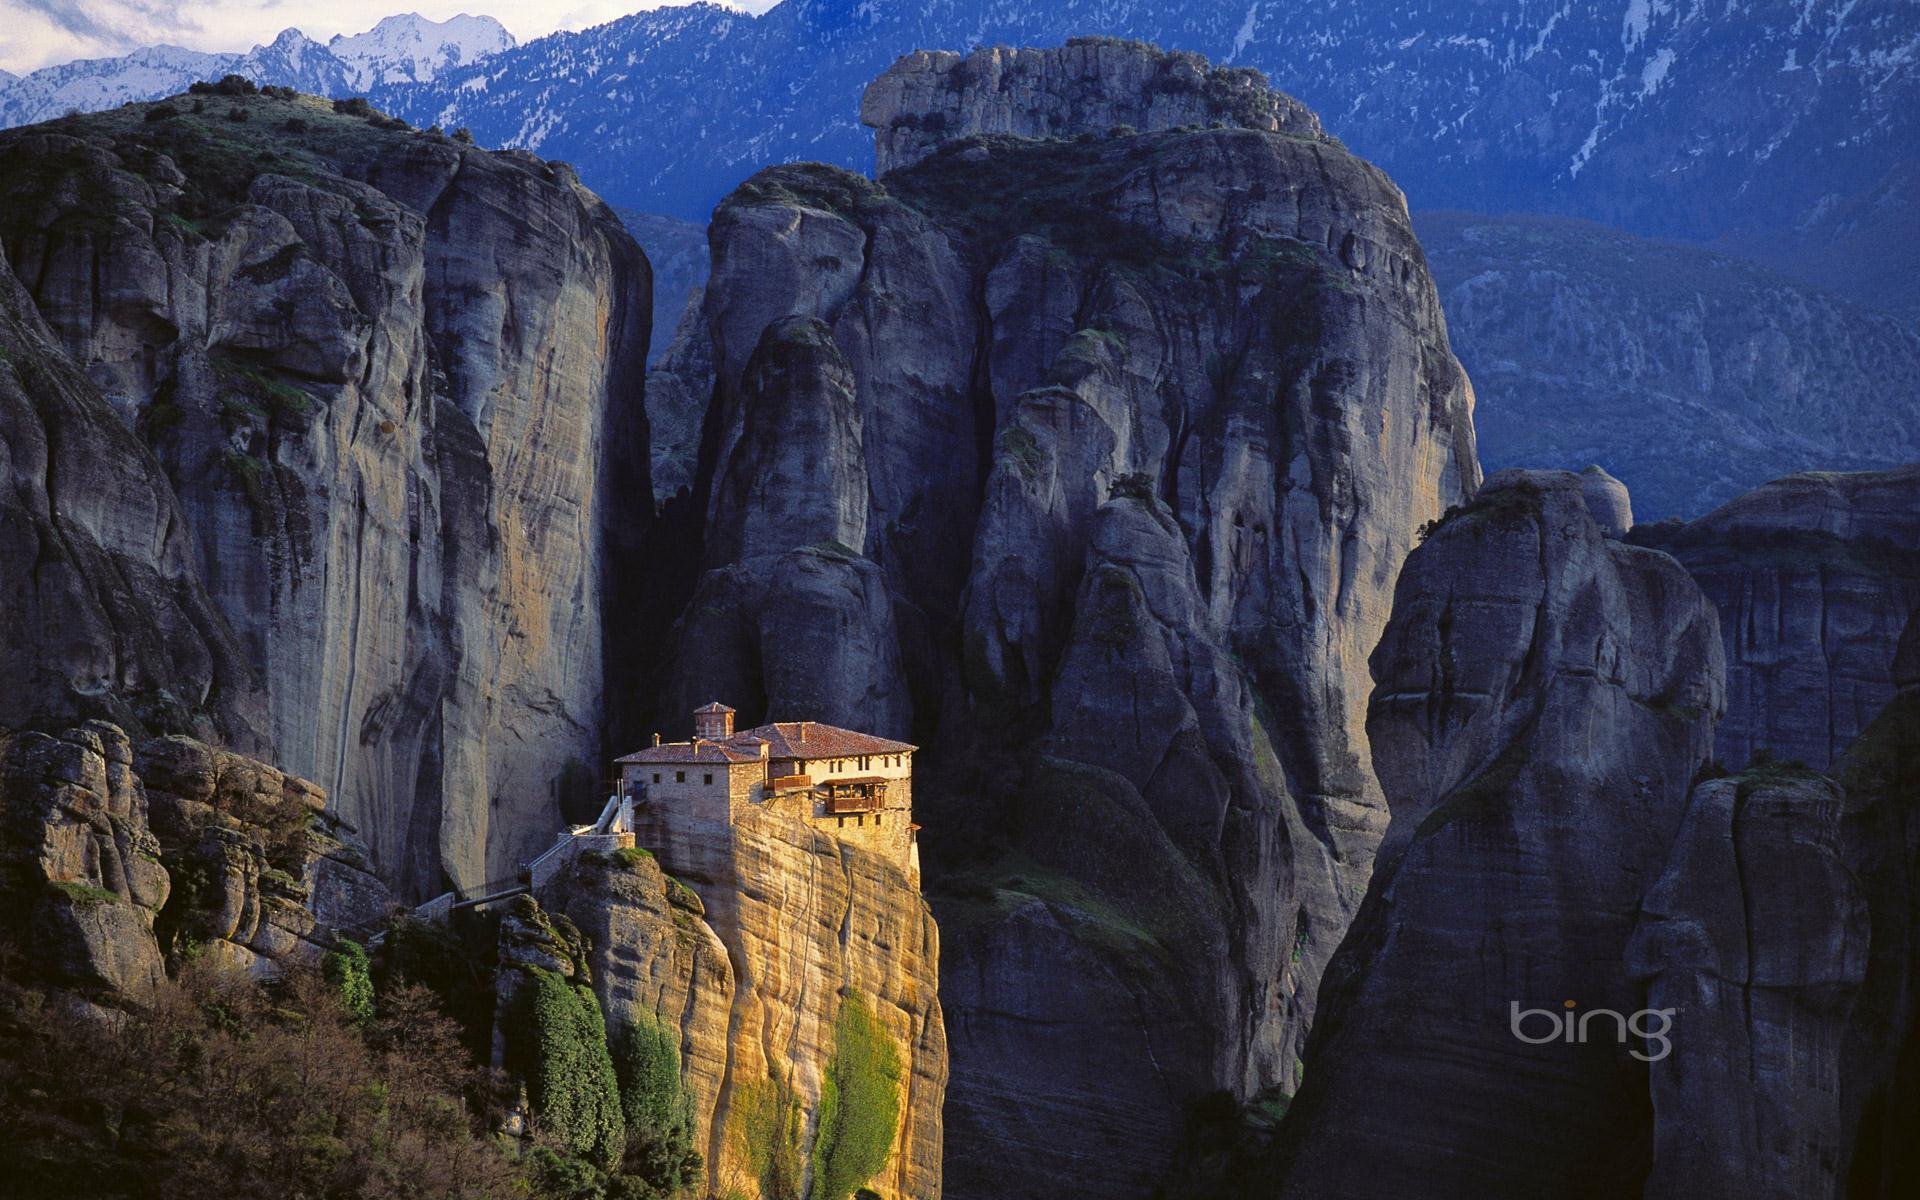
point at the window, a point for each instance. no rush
(679, 776)
(707, 778)
(656, 777)
(863, 762)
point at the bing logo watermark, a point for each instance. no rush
(1575, 1028)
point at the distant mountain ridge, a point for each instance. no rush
(405, 49)
(1670, 120)
(1781, 129)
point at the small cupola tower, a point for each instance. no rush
(714, 722)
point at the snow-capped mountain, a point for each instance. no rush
(90, 84)
(1674, 117)
(405, 49)
(412, 49)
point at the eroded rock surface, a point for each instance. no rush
(1735, 954)
(1816, 577)
(383, 373)
(748, 951)
(1091, 84)
(117, 861)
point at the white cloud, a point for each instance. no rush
(35, 33)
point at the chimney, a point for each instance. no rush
(803, 730)
(656, 739)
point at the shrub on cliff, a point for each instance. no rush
(560, 1048)
(659, 1128)
(347, 969)
(859, 1104)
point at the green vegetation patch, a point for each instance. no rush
(630, 857)
(85, 895)
(657, 1110)
(561, 1051)
(1019, 447)
(859, 1103)
(348, 969)
(256, 392)
(763, 1125)
(809, 185)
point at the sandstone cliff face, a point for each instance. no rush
(1113, 448)
(115, 859)
(107, 614)
(383, 373)
(1815, 577)
(1545, 698)
(749, 961)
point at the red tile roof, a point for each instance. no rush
(733, 750)
(786, 740)
(811, 739)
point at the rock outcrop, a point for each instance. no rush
(1733, 956)
(1815, 577)
(1608, 502)
(1092, 84)
(1115, 442)
(116, 860)
(393, 382)
(749, 954)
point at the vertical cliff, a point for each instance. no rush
(794, 974)
(1108, 443)
(389, 378)
(1584, 965)
(107, 614)
(1815, 577)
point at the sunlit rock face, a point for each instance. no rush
(1114, 443)
(375, 380)
(748, 952)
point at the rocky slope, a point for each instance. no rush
(1692, 376)
(1815, 577)
(390, 381)
(1088, 465)
(766, 940)
(1545, 701)
(114, 860)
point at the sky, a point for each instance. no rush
(35, 33)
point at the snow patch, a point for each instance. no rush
(1634, 29)
(1244, 38)
(1655, 72)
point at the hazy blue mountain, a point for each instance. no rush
(1690, 375)
(1682, 119)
